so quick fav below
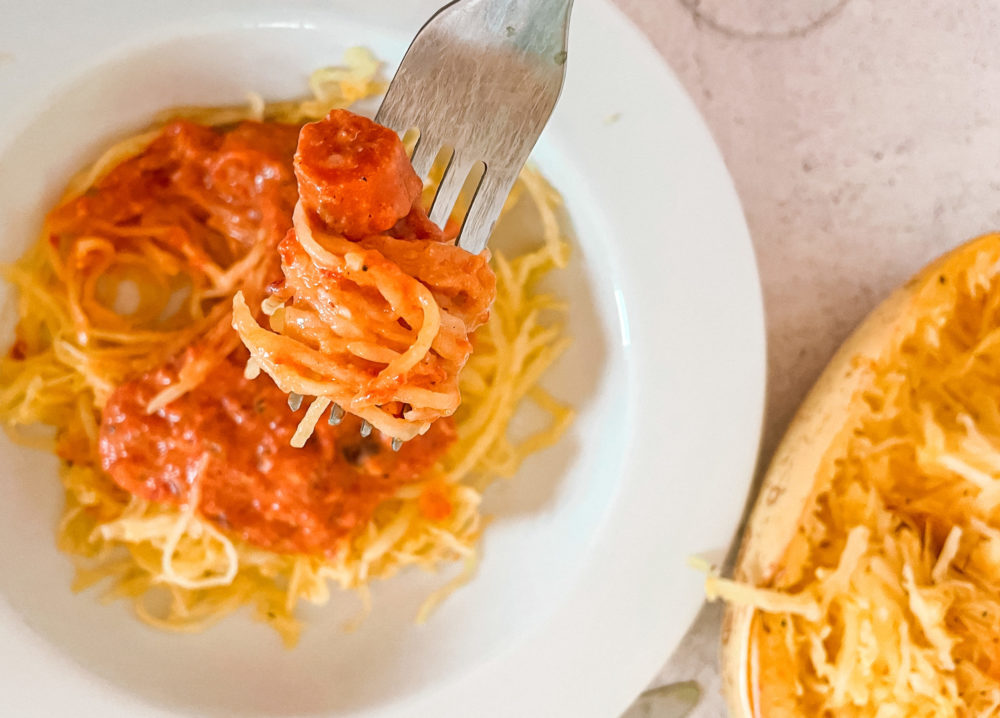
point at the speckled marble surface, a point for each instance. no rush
(863, 137)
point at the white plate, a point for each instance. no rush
(583, 589)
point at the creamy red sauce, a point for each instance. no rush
(206, 196)
(254, 483)
(197, 193)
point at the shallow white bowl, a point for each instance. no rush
(582, 591)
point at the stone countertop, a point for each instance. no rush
(863, 138)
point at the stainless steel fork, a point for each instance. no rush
(480, 78)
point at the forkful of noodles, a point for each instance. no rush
(377, 304)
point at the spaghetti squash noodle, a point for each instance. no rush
(184, 493)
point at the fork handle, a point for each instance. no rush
(536, 26)
(481, 76)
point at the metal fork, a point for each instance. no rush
(480, 79)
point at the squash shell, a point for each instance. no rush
(814, 437)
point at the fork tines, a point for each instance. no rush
(482, 77)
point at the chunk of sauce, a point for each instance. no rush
(216, 192)
(354, 174)
(255, 484)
